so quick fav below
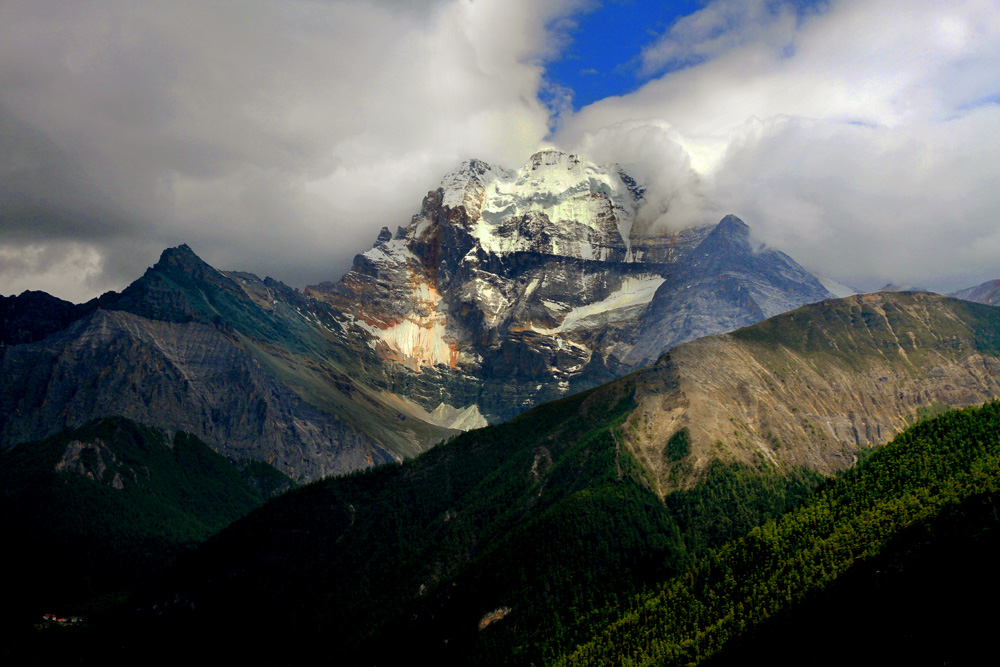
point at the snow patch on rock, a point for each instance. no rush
(634, 291)
(463, 186)
(388, 252)
(839, 290)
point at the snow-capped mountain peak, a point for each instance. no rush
(466, 184)
(556, 204)
(562, 186)
(514, 286)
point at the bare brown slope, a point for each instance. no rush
(814, 387)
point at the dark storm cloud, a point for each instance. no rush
(271, 136)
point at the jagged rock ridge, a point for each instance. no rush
(507, 289)
(514, 287)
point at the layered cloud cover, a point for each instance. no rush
(278, 136)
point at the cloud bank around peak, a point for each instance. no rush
(661, 159)
(854, 135)
(274, 136)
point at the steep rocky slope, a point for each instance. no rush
(247, 365)
(724, 284)
(186, 377)
(815, 386)
(988, 293)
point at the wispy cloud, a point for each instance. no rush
(718, 28)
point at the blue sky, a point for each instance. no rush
(603, 57)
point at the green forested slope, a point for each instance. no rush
(517, 543)
(938, 468)
(90, 513)
(485, 550)
(926, 599)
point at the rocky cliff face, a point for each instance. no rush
(181, 377)
(510, 288)
(250, 366)
(816, 386)
(723, 284)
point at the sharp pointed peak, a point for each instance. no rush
(182, 249)
(731, 230)
(182, 254)
(731, 223)
(183, 259)
(472, 167)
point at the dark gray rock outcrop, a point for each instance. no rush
(179, 377)
(724, 284)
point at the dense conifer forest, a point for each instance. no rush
(538, 542)
(899, 509)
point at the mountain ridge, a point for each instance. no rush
(725, 283)
(581, 500)
(987, 293)
(509, 288)
(857, 370)
(542, 277)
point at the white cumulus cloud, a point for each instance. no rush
(857, 135)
